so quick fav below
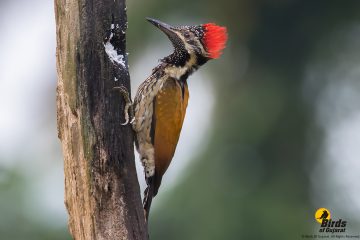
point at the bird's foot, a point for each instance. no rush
(128, 110)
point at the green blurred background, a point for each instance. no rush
(272, 132)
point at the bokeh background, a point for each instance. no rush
(272, 131)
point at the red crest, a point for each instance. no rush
(215, 38)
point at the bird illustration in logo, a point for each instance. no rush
(324, 215)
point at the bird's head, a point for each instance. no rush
(204, 41)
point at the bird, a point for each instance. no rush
(158, 111)
(324, 215)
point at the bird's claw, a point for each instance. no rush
(125, 123)
(132, 120)
(128, 104)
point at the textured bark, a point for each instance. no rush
(102, 193)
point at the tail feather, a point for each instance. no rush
(148, 196)
(153, 184)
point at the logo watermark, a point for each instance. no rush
(330, 227)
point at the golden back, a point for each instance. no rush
(169, 111)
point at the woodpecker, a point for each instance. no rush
(160, 103)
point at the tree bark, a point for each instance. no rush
(102, 193)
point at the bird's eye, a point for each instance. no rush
(186, 35)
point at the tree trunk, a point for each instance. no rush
(102, 193)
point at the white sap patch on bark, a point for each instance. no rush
(110, 50)
(113, 55)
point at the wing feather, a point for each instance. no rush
(169, 111)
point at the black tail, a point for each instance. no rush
(148, 196)
(153, 184)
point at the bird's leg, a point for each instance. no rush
(128, 111)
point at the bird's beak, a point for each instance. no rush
(169, 30)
